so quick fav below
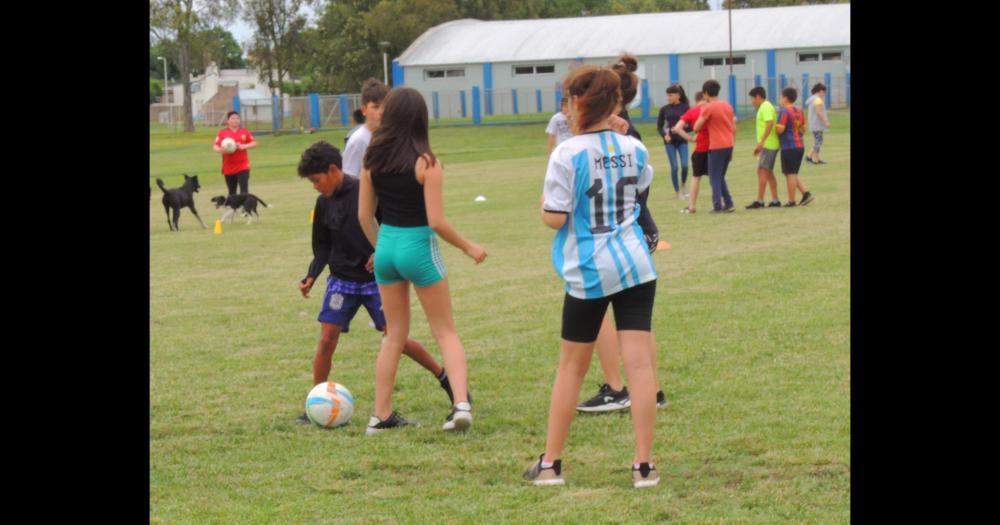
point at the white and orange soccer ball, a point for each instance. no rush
(330, 405)
(228, 145)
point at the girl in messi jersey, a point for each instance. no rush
(590, 197)
(402, 177)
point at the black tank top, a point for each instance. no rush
(401, 198)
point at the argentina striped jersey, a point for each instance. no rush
(594, 178)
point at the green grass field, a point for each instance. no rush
(752, 319)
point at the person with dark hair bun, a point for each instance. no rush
(670, 114)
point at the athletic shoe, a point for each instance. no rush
(661, 400)
(606, 400)
(774, 204)
(652, 239)
(375, 425)
(302, 420)
(645, 476)
(755, 205)
(687, 210)
(806, 198)
(790, 204)
(545, 476)
(459, 419)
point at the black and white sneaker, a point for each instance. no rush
(375, 425)
(302, 420)
(551, 475)
(790, 204)
(755, 205)
(645, 476)
(661, 399)
(459, 419)
(774, 204)
(652, 239)
(606, 400)
(806, 198)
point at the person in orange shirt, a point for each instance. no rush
(719, 121)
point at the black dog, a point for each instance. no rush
(178, 198)
(247, 201)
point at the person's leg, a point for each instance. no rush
(230, 183)
(727, 199)
(396, 306)
(244, 181)
(693, 196)
(329, 335)
(633, 309)
(608, 354)
(715, 164)
(817, 144)
(574, 360)
(412, 349)
(683, 149)
(671, 153)
(761, 183)
(637, 354)
(436, 303)
(772, 182)
(792, 184)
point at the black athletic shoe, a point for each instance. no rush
(651, 240)
(302, 420)
(606, 400)
(393, 421)
(545, 476)
(755, 205)
(790, 204)
(774, 204)
(806, 198)
(661, 399)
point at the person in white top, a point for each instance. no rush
(591, 198)
(373, 93)
(559, 126)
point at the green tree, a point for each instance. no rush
(279, 25)
(155, 89)
(180, 21)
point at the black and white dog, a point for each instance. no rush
(178, 198)
(246, 201)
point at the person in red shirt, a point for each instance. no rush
(235, 165)
(699, 159)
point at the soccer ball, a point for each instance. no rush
(330, 405)
(228, 145)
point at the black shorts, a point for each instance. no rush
(699, 163)
(791, 160)
(633, 309)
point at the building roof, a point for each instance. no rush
(469, 41)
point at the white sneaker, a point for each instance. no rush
(459, 419)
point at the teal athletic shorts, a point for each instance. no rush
(410, 254)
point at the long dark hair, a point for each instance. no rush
(676, 88)
(402, 136)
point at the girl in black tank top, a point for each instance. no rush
(403, 174)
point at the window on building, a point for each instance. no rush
(723, 61)
(444, 73)
(195, 88)
(824, 56)
(534, 70)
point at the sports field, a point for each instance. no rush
(752, 319)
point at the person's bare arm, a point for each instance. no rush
(432, 177)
